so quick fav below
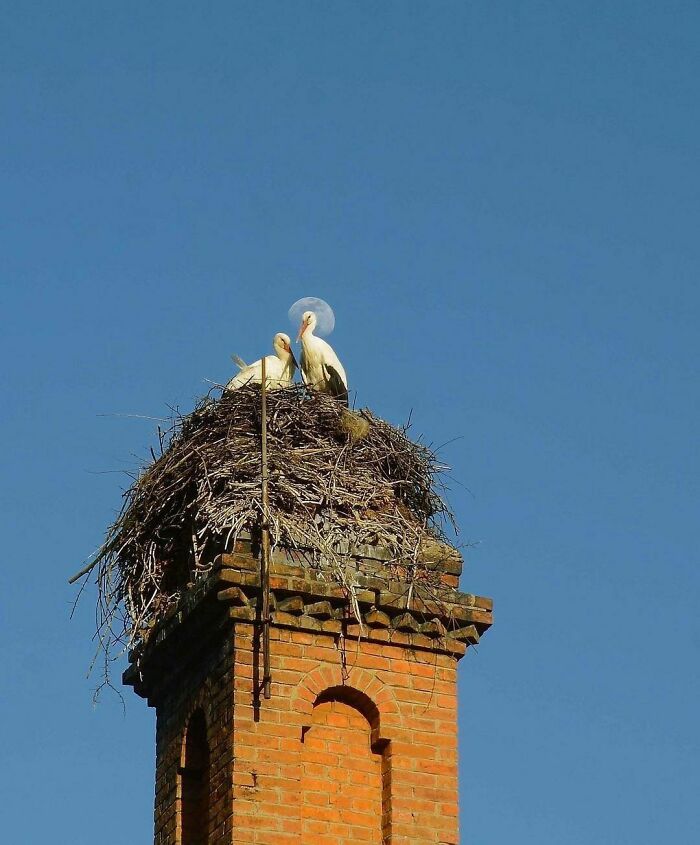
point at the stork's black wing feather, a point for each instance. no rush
(302, 365)
(294, 360)
(336, 387)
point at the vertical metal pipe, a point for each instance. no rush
(265, 558)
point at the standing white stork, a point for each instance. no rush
(320, 367)
(279, 368)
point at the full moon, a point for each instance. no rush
(322, 310)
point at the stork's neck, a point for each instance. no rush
(309, 337)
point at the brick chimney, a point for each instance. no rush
(358, 742)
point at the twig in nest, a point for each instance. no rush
(327, 486)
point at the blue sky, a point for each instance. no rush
(501, 201)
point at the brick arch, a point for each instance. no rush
(368, 691)
(345, 788)
(193, 781)
(194, 823)
(202, 701)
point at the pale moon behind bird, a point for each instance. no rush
(323, 311)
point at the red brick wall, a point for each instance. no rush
(358, 744)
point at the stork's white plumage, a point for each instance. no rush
(279, 368)
(320, 366)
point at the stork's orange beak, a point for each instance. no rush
(302, 329)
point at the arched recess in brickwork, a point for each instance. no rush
(380, 696)
(193, 782)
(346, 768)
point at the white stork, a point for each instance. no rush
(320, 367)
(279, 368)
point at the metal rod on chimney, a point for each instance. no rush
(265, 558)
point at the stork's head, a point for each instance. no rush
(308, 321)
(282, 345)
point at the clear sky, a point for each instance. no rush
(500, 200)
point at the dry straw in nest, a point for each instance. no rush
(336, 479)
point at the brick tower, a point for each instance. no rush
(358, 741)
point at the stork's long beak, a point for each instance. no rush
(302, 329)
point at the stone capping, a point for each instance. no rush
(434, 556)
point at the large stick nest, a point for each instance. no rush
(336, 478)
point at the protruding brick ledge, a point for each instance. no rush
(435, 618)
(391, 610)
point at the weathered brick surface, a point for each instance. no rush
(357, 744)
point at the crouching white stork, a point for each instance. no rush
(279, 368)
(320, 367)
